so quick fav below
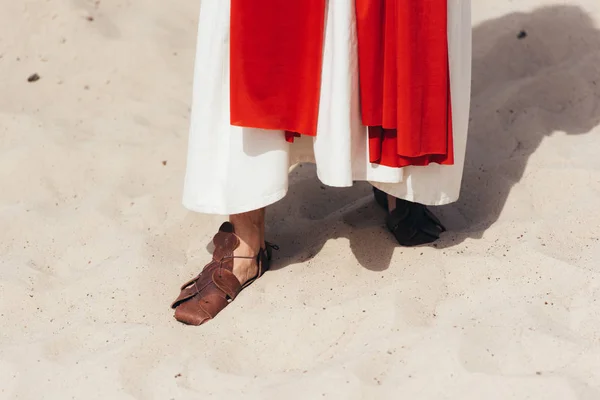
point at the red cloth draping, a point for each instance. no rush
(276, 51)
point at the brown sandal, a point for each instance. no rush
(203, 297)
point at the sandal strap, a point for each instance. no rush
(214, 272)
(204, 296)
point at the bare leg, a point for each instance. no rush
(250, 227)
(391, 203)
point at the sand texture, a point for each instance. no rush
(95, 243)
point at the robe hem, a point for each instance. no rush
(264, 201)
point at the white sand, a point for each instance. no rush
(94, 242)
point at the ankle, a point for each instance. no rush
(391, 203)
(245, 269)
(247, 249)
(250, 229)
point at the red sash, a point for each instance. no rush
(276, 59)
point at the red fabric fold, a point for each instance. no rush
(276, 52)
(405, 81)
(276, 59)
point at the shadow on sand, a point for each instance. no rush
(523, 90)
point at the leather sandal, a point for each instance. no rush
(413, 224)
(203, 297)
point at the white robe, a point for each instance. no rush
(232, 169)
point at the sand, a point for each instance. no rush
(95, 243)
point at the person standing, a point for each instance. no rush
(371, 90)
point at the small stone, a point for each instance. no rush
(33, 78)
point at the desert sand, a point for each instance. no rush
(95, 243)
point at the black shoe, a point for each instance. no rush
(411, 223)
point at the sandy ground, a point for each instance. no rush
(94, 242)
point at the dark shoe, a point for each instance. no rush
(411, 223)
